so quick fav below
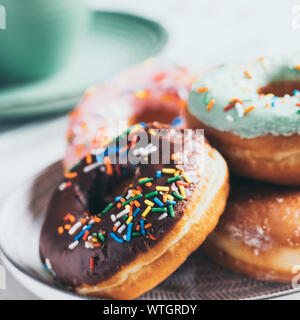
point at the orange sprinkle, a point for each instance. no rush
(67, 226)
(182, 103)
(122, 200)
(97, 245)
(88, 158)
(82, 221)
(119, 205)
(109, 168)
(97, 219)
(148, 225)
(247, 74)
(164, 198)
(70, 175)
(60, 230)
(247, 110)
(298, 104)
(86, 233)
(136, 203)
(151, 237)
(202, 89)
(138, 227)
(148, 184)
(115, 228)
(297, 67)
(210, 105)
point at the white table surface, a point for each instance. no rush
(202, 33)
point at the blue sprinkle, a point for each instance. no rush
(129, 229)
(142, 223)
(143, 124)
(295, 92)
(171, 202)
(118, 198)
(158, 202)
(158, 174)
(80, 235)
(99, 158)
(176, 121)
(116, 237)
(137, 210)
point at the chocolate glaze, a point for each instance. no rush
(89, 193)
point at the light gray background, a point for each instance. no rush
(202, 33)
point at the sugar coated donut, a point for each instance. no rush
(251, 113)
(129, 213)
(259, 233)
(152, 91)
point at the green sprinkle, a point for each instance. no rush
(176, 195)
(131, 199)
(75, 166)
(171, 211)
(145, 180)
(125, 217)
(151, 194)
(94, 234)
(109, 206)
(298, 112)
(101, 236)
(136, 234)
(173, 179)
(159, 209)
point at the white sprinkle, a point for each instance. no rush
(75, 227)
(73, 245)
(129, 194)
(92, 221)
(122, 213)
(48, 263)
(62, 186)
(113, 218)
(240, 109)
(229, 118)
(162, 216)
(97, 151)
(90, 237)
(88, 245)
(125, 237)
(256, 252)
(117, 224)
(92, 167)
(122, 228)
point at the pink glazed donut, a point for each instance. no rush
(151, 91)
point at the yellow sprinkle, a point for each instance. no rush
(210, 105)
(170, 197)
(147, 210)
(162, 188)
(129, 219)
(186, 178)
(127, 206)
(176, 173)
(168, 170)
(269, 95)
(149, 203)
(142, 94)
(182, 191)
(202, 89)
(267, 105)
(152, 132)
(247, 110)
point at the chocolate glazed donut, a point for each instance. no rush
(102, 242)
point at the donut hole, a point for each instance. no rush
(280, 88)
(105, 191)
(152, 114)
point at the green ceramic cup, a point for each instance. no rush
(39, 37)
